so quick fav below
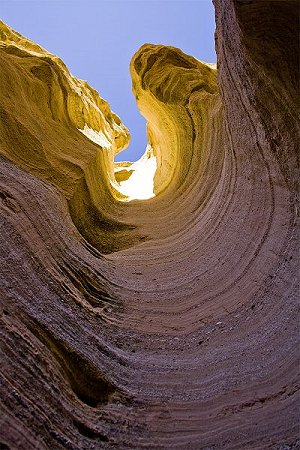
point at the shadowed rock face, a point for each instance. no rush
(159, 324)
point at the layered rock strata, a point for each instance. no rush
(163, 323)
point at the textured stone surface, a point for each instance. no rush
(159, 324)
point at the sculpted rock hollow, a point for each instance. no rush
(167, 323)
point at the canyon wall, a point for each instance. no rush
(167, 323)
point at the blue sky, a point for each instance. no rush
(96, 39)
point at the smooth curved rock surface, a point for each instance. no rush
(168, 323)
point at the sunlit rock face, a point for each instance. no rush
(136, 180)
(162, 323)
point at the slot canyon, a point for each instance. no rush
(165, 320)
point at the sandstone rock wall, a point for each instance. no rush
(166, 323)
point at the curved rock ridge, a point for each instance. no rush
(167, 323)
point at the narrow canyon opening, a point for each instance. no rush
(133, 180)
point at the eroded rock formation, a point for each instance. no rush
(164, 323)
